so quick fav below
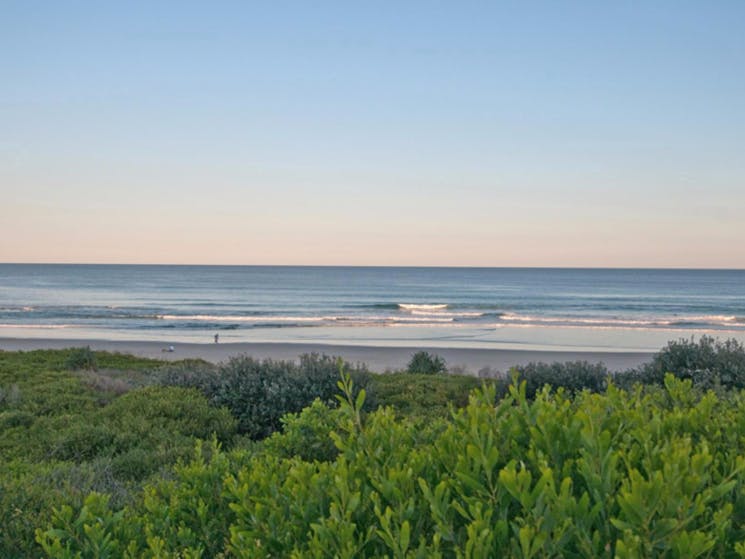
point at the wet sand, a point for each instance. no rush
(377, 358)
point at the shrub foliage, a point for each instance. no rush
(81, 358)
(573, 376)
(564, 460)
(708, 363)
(649, 473)
(423, 362)
(258, 393)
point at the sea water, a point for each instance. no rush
(524, 308)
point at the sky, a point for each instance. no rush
(595, 134)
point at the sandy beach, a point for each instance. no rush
(377, 358)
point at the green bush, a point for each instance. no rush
(423, 395)
(10, 397)
(650, 473)
(83, 442)
(29, 493)
(111, 449)
(259, 393)
(708, 362)
(14, 418)
(573, 376)
(306, 435)
(187, 516)
(425, 363)
(67, 433)
(81, 358)
(654, 470)
(134, 464)
(190, 373)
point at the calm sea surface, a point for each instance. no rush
(599, 309)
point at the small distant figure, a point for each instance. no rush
(217, 338)
(169, 349)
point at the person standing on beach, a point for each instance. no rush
(217, 337)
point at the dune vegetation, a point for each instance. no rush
(109, 455)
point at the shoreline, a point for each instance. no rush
(377, 358)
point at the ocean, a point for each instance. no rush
(510, 308)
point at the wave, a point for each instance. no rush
(404, 319)
(486, 308)
(401, 306)
(16, 308)
(423, 315)
(299, 319)
(241, 318)
(711, 321)
(421, 307)
(76, 312)
(715, 320)
(574, 320)
(463, 314)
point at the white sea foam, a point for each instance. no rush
(418, 307)
(575, 320)
(455, 314)
(707, 318)
(407, 319)
(619, 322)
(228, 318)
(437, 310)
(347, 320)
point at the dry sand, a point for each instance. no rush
(377, 358)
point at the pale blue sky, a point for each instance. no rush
(421, 133)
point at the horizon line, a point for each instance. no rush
(440, 266)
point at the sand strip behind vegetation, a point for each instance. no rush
(377, 358)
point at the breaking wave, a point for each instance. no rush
(705, 321)
(421, 307)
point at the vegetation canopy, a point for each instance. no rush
(423, 362)
(144, 459)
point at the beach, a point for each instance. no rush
(377, 358)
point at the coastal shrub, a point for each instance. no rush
(157, 423)
(423, 395)
(65, 433)
(81, 358)
(50, 461)
(10, 397)
(107, 384)
(190, 373)
(165, 421)
(573, 376)
(258, 393)
(15, 418)
(187, 515)
(94, 519)
(649, 473)
(134, 464)
(318, 376)
(306, 435)
(425, 363)
(29, 493)
(708, 362)
(654, 470)
(83, 442)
